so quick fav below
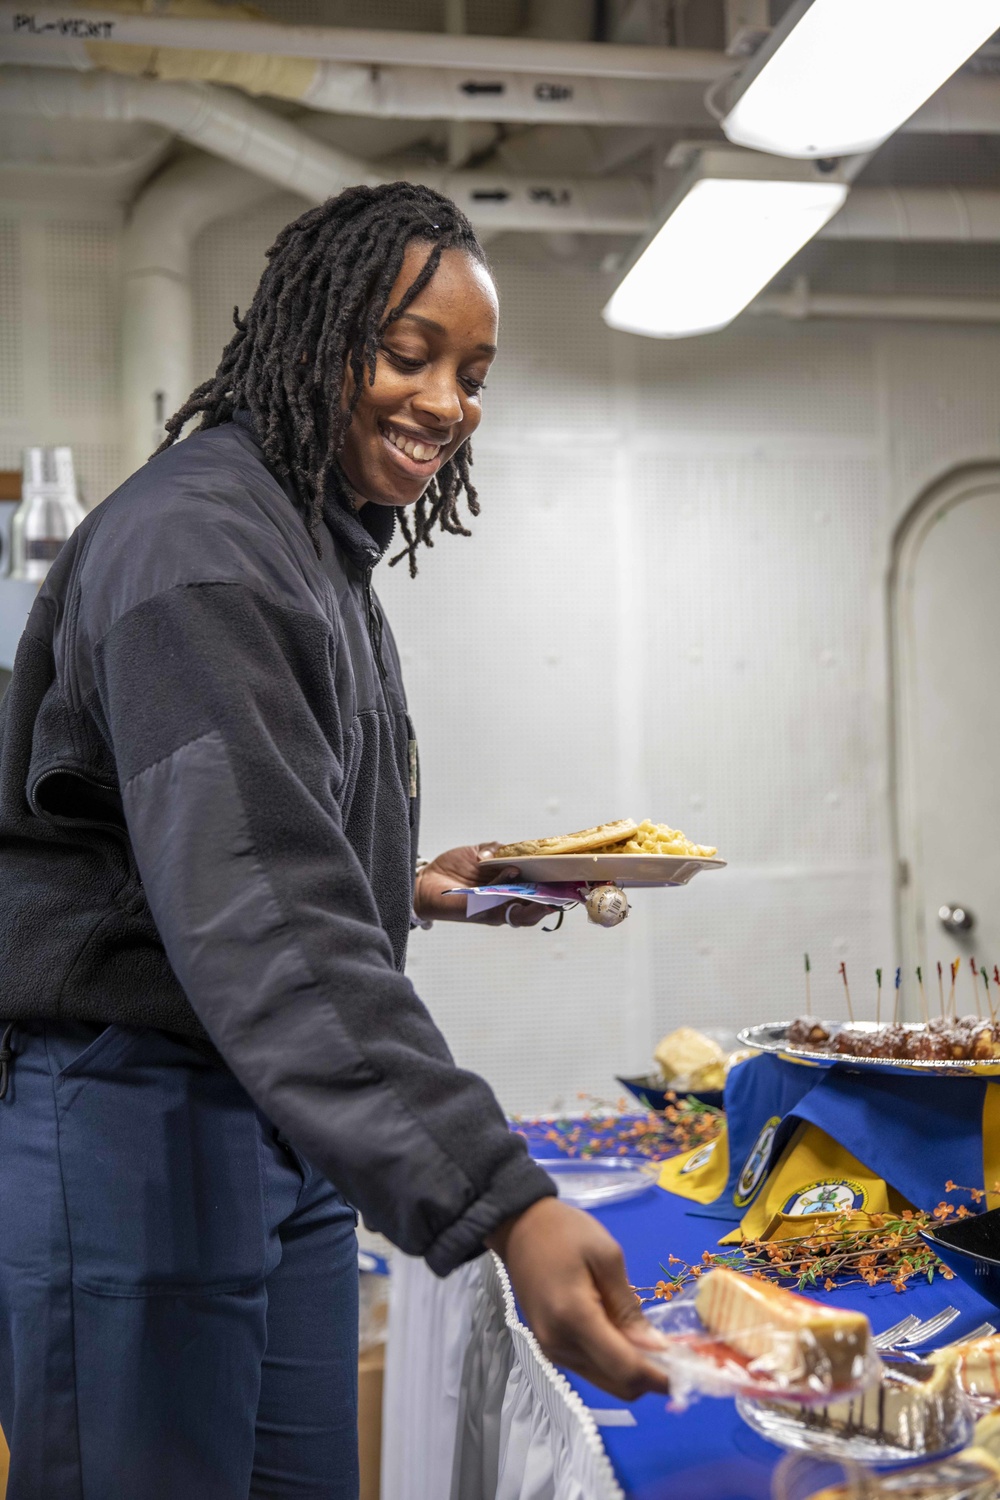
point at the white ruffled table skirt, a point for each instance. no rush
(472, 1409)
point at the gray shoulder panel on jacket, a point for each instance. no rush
(205, 511)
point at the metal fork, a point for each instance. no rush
(911, 1331)
(982, 1332)
(925, 1332)
(898, 1330)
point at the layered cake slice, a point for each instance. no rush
(915, 1407)
(789, 1338)
(977, 1366)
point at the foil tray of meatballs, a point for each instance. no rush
(947, 1046)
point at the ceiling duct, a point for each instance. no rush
(246, 134)
(219, 121)
(669, 93)
(953, 214)
(157, 309)
(512, 98)
(25, 30)
(802, 303)
(249, 136)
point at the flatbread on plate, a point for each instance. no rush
(570, 843)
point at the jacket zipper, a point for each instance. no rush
(60, 822)
(374, 624)
(99, 825)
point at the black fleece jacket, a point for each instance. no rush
(208, 821)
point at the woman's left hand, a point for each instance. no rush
(460, 867)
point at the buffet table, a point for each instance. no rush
(474, 1411)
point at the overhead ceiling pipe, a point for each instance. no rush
(504, 98)
(586, 205)
(158, 314)
(396, 93)
(802, 303)
(953, 214)
(22, 27)
(219, 121)
(250, 136)
(968, 102)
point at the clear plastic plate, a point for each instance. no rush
(791, 1365)
(947, 1426)
(802, 1477)
(598, 1181)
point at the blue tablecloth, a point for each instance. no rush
(707, 1452)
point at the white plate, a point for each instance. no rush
(597, 869)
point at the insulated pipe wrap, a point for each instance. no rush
(421, 75)
(799, 305)
(529, 98)
(27, 27)
(968, 103)
(222, 123)
(157, 328)
(250, 136)
(953, 215)
(610, 205)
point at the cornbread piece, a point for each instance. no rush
(913, 1407)
(790, 1336)
(686, 1053)
(976, 1366)
(584, 842)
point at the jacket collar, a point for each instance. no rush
(364, 536)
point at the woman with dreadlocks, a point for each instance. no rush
(208, 824)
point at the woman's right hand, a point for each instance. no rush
(569, 1277)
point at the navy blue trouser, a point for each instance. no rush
(178, 1289)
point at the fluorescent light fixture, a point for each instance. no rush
(733, 222)
(837, 77)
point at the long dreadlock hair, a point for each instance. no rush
(319, 309)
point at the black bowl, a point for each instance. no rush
(971, 1248)
(650, 1091)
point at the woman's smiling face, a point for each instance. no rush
(426, 400)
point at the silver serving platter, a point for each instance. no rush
(772, 1036)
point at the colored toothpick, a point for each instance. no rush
(895, 1003)
(878, 997)
(847, 992)
(809, 1006)
(956, 964)
(941, 987)
(989, 997)
(975, 986)
(923, 995)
